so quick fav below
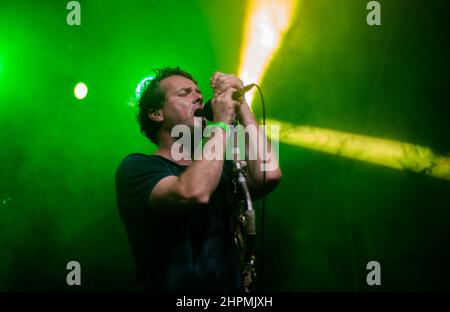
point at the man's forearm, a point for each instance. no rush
(254, 166)
(203, 176)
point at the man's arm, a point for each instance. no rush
(196, 185)
(255, 174)
(255, 177)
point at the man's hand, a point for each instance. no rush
(224, 107)
(220, 82)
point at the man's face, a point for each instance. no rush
(183, 97)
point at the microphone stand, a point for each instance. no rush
(247, 221)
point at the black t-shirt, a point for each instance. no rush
(186, 251)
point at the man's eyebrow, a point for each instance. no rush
(189, 89)
(184, 89)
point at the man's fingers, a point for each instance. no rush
(214, 78)
(225, 82)
(228, 81)
(229, 92)
(226, 94)
(219, 78)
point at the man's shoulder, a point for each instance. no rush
(139, 158)
(137, 161)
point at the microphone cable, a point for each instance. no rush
(263, 201)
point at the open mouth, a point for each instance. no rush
(198, 112)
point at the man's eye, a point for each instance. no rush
(185, 91)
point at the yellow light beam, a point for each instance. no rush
(265, 24)
(392, 154)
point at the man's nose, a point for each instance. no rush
(198, 100)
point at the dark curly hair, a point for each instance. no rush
(151, 98)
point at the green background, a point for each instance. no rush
(329, 216)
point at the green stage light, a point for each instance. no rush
(80, 90)
(392, 154)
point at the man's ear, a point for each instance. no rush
(156, 115)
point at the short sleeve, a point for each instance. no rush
(135, 178)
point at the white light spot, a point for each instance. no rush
(80, 90)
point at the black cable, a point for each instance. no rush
(263, 203)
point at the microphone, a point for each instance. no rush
(207, 107)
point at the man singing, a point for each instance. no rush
(180, 215)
